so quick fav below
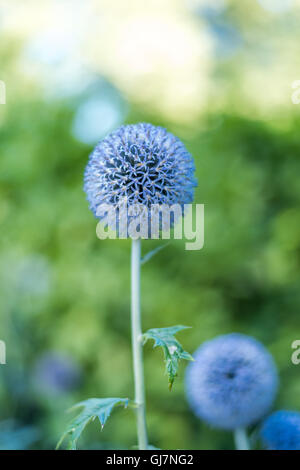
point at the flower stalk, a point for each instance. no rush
(137, 346)
(241, 439)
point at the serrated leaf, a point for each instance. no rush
(92, 408)
(173, 351)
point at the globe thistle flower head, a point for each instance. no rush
(281, 431)
(55, 373)
(141, 164)
(232, 382)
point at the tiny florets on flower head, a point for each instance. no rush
(281, 431)
(141, 164)
(232, 382)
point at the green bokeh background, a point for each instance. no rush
(62, 290)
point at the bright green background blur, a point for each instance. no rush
(219, 74)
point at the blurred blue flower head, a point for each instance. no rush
(96, 116)
(55, 373)
(141, 164)
(101, 108)
(232, 382)
(281, 431)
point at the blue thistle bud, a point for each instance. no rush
(141, 164)
(232, 382)
(281, 431)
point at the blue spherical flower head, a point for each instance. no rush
(141, 164)
(232, 382)
(281, 431)
(56, 373)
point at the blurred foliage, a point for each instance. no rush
(65, 292)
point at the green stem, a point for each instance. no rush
(137, 346)
(241, 439)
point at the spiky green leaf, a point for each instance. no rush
(173, 351)
(92, 408)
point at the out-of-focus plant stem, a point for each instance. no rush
(241, 439)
